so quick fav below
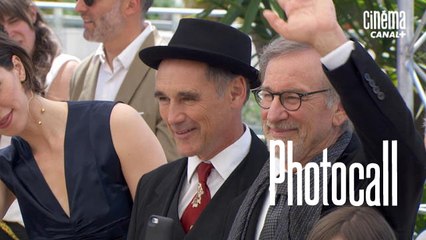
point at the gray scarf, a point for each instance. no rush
(284, 222)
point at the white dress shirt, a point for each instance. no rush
(110, 79)
(224, 164)
(331, 61)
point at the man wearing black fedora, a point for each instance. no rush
(203, 81)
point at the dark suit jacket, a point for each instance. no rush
(158, 193)
(378, 113)
(137, 90)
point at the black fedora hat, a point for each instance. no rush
(210, 42)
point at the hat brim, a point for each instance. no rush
(153, 56)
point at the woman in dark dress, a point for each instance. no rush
(73, 166)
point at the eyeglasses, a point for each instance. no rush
(289, 100)
(89, 3)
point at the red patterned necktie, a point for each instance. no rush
(200, 200)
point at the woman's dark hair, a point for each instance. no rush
(8, 49)
(352, 223)
(46, 46)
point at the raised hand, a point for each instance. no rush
(309, 21)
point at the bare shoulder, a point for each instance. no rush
(67, 70)
(124, 117)
(122, 111)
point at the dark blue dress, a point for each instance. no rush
(99, 199)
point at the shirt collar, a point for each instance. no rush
(227, 160)
(126, 56)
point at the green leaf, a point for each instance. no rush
(205, 13)
(231, 15)
(251, 13)
(276, 7)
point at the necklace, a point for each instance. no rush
(42, 109)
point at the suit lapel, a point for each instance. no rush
(89, 85)
(136, 73)
(167, 197)
(178, 232)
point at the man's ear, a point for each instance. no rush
(132, 6)
(19, 68)
(238, 91)
(340, 116)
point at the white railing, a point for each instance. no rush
(169, 17)
(68, 25)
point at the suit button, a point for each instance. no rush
(376, 89)
(367, 77)
(381, 95)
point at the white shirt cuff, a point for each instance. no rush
(338, 56)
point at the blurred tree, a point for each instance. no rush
(247, 14)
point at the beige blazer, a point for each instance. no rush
(137, 90)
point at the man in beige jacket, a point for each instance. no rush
(114, 72)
